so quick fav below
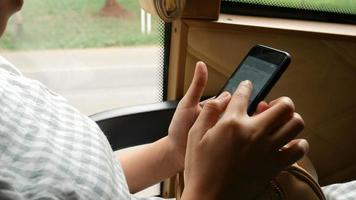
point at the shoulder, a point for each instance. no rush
(5, 65)
(47, 144)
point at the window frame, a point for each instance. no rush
(229, 7)
(166, 54)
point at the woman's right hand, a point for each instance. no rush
(231, 155)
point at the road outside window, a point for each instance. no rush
(99, 54)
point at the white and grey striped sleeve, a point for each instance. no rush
(341, 191)
(48, 150)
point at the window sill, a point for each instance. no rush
(336, 29)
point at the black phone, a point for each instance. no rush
(263, 66)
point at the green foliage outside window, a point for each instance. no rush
(336, 6)
(66, 24)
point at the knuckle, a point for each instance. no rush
(242, 95)
(240, 128)
(227, 122)
(251, 136)
(243, 90)
(231, 122)
(298, 120)
(254, 129)
(200, 83)
(287, 104)
(182, 102)
(212, 105)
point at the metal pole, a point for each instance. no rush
(149, 23)
(143, 21)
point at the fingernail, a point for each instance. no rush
(247, 82)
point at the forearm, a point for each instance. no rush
(149, 164)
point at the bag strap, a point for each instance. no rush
(297, 183)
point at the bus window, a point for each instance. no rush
(99, 55)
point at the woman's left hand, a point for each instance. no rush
(186, 113)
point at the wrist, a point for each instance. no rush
(176, 154)
(196, 191)
(172, 155)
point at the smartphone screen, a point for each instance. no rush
(262, 66)
(256, 70)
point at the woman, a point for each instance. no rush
(48, 150)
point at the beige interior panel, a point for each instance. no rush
(320, 80)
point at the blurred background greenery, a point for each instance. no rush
(65, 24)
(337, 6)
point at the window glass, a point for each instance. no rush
(99, 54)
(336, 6)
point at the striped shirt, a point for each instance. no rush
(49, 150)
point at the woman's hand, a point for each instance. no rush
(186, 113)
(231, 155)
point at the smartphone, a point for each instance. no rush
(263, 66)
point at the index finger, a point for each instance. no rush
(240, 99)
(196, 88)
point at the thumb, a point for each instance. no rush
(196, 88)
(210, 115)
